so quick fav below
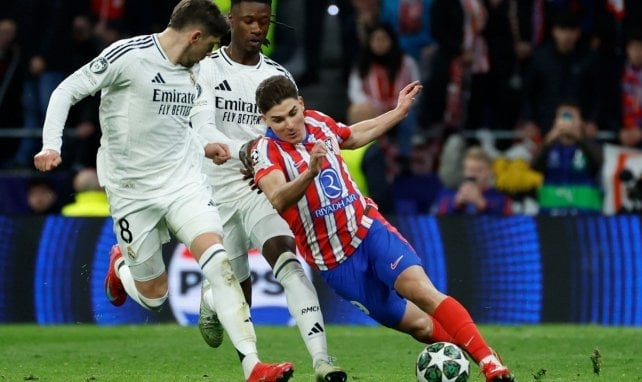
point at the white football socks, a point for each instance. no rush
(303, 304)
(226, 298)
(125, 276)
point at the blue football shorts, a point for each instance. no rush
(367, 277)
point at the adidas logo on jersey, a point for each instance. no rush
(158, 79)
(223, 86)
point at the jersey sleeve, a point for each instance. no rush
(90, 78)
(202, 115)
(265, 158)
(338, 129)
(341, 130)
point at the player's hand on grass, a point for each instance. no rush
(47, 160)
(217, 152)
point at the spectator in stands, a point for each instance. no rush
(570, 162)
(630, 12)
(382, 70)
(80, 148)
(476, 194)
(367, 167)
(90, 199)
(631, 137)
(367, 14)
(11, 78)
(514, 29)
(42, 197)
(511, 167)
(313, 34)
(45, 30)
(410, 20)
(454, 90)
(584, 10)
(450, 170)
(85, 44)
(355, 18)
(631, 88)
(561, 69)
(108, 13)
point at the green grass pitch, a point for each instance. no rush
(169, 352)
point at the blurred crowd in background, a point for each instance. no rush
(519, 98)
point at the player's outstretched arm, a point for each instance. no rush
(62, 98)
(87, 80)
(366, 131)
(47, 159)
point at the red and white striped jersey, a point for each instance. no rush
(331, 219)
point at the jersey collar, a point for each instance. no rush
(158, 46)
(231, 62)
(271, 134)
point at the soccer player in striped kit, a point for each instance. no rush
(341, 234)
(226, 112)
(151, 170)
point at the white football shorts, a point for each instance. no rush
(248, 223)
(142, 226)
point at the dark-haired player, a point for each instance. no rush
(341, 233)
(226, 112)
(151, 172)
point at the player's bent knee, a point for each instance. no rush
(203, 241)
(274, 247)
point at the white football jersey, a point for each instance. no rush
(229, 92)
(147, 148)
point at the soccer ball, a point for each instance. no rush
(442, 362)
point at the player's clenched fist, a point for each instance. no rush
(47, 160)
(217, 152)
(316, 157)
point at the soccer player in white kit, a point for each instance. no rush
(151, 168)
(226, 112)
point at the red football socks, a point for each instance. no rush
(439, 334)
(456, 321)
